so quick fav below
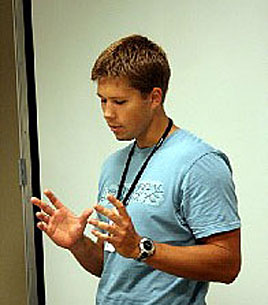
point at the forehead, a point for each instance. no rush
(114, 87)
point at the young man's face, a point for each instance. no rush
(126, 112)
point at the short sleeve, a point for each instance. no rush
(209, 203)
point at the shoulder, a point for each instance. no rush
(193, 152)
(208, 176)
(210, 171)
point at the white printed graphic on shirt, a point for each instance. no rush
(149, 193)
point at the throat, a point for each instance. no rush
(158, 135)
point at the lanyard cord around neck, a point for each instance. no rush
(138, 176)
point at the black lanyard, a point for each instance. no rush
(137, 178)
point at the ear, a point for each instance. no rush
(156, 97)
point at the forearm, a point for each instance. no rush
(200, 262)
(215, 257)
(89, 254)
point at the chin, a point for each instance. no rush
(124, 138)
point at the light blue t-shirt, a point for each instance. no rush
(185, 193)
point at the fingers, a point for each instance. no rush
(100, 236)
(116, 215)
(119, 205)
(84, 216)
(54, 200)
(44, 218)
(42, 226)
(103, 226)
(42, 205)
(112, 215)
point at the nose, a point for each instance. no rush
(108, 110)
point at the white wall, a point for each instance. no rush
(217, 51)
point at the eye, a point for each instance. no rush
(103, 101)
(120, 102)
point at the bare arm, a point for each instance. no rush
(89, 255)
(216, 258)
(66, 230)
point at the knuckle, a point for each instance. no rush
(123, 235)
(121, 205)
(127, 224)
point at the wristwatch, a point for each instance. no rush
(147, 248)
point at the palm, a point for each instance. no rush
(64, 228)
(60, 224)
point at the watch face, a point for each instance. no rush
(147, 244)
(146, 248)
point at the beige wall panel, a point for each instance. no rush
(12, 259)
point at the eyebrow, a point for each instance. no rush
(111, 97)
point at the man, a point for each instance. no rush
(167, 212)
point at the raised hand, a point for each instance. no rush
(122, 234)
(59, 223)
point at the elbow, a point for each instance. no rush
(232, 272)
(230, 279)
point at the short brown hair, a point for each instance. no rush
(140, 60)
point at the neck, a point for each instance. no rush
(154, 132)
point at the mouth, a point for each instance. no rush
(115, 128)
